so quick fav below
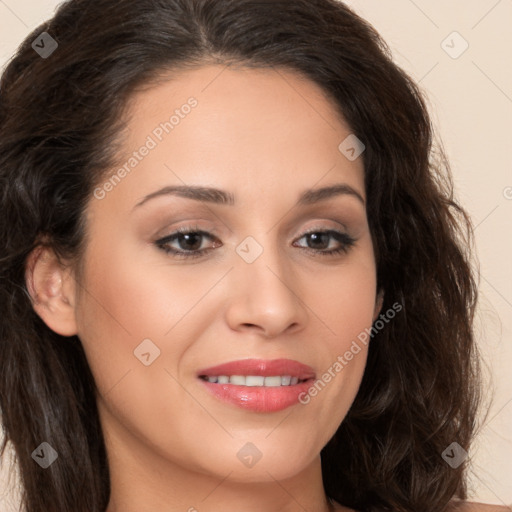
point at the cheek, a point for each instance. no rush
(346, 306)
(344, 299)
(130, 294)
(118, 308)
(123, 303)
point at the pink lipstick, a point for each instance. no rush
(258, 385)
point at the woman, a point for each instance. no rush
(312, 349)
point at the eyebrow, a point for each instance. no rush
(217, 196)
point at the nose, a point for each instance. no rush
(266, 296)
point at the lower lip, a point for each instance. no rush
(258, 398)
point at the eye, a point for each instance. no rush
(190, 242)
(321, 238)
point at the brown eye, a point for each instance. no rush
(318, 241)
(189, 242)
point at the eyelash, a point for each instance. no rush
(346, 243)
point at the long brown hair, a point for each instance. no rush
(60, 121)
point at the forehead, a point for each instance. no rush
(241, 129)
(223, 86)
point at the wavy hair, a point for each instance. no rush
(61, 120)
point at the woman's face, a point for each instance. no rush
(150, 320)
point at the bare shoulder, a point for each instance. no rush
(455, 506)
(469, 506)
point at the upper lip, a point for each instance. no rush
(263, 367)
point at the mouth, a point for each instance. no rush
(258, 385)
(258, 372)
(254, 380)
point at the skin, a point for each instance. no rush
(264, 136)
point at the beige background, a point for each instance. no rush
(470, 95)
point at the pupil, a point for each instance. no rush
(316, 237)
(187, 238)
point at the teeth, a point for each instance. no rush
(254, 380)
(239, 380)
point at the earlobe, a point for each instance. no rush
(378, 304)
(52, 290)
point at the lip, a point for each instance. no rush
(263, 367)
(259, 398)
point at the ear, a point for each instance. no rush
(52, 290)
(378, 304)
